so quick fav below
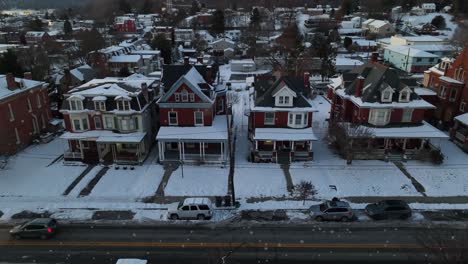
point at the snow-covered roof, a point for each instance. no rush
(24, 84)
(424, 91)
(99, 98)
(415, 104)
(146, 52)
(462, 118)
(423, 131)
(341, 61)
(217, 131)
(106, 136)
(409, 50)
(434, 47)
(425, 38)
(365, 42)
(131, 261)
(450, 80)
(287, 134)
(125, 59)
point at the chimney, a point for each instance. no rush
(209, 74)
(144, 90)
(374, 57)
(200, 60)
(359, 86)
(186, 60)
(11, 83)
(307, 81)
(28, 75)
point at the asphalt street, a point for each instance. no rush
(285, 243)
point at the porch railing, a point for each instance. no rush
(72, 155)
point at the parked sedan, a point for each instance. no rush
(332, 210)
(38, 228)
(388, 209)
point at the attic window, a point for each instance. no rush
(387, 96)
(404, 96)
(76, 104)
(123, 105)
(184, 96)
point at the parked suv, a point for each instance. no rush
(38, 228)
(332, 210)
(192, 208)
(388, 209)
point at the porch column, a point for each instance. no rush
(114, 154)
(385, 143)
(274, 145)
(422, 144)
(293, 146)
(200, 147)
(160, 151)
(179, 144)
(139, 152)
(81, 149)
(183, 150)
(99, 152)
(256, 144)
(222, 150)
(310, 145)
(203, 150)
(404, 143)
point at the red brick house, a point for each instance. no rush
(459, 131)
(33, 37)
(390, 110)
(449, 80)
(25, 112)
(110, 120)
(280, 120)
(192, 115)
(125, 24)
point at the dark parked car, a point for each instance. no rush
(38, 228)
(389, 209)
(332, 210)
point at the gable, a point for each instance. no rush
(180, 85)
(285, 91)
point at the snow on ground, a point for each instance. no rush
(448, 179)
(260, 180)
(29, 174)
(371, 178)
(198, 181)
(419, 20)
(141, 182)
(75, 192)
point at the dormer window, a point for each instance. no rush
(404, 96)
(284, 96)
(387, 95)
(76, 103)
(123, 103)
(284, 100)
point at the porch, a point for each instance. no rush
(282, 145)
(459, 132)
(193, 151)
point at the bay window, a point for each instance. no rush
(379, 117)
(297, 120)
(76, 105)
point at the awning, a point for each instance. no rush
(284, 134)
(104, 136)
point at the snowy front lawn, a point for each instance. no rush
(198, 181)
(364, 178)
(29, 174)
(260, 180)
(141, 182)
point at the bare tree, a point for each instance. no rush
(445, 246)
(304, 190)
(349, 139)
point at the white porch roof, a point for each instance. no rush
(462, 118)
(217, 131)
(284, 134)
(105, 136)
(423, 131)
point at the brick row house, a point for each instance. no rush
(449, 80)
(280, 120)
(192, 116)
(110, 120)
(391, 113)
(25, 112)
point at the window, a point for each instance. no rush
(100, 105)
(269, 118)
(459, 74)
(407, 114)
(76, 125)
(184, 96)
(44, 99)
(109, 122)
(29, 106)
(18, 139)
(97, 122)
(297, 120)
(38, 99)
(443, 92)
(198, 118)
(404, 96)
(173, 119)
(192, 97)
(431, 60)
(85, 123)
(80, 124)
(76, 105)
(127, 123)
(387, 96)
(177, 97)
(379, 117)
(462, 106)
(12, 115)
(284, 100)
(418, 59)
(123, 105)
(453, 94)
